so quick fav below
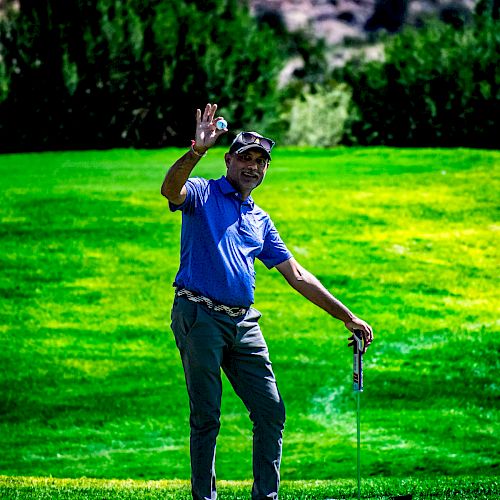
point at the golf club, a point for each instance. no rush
(357, 378)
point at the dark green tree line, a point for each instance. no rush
(109, 73)
(78, 74)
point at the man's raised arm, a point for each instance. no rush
(173, 187)
(311, 288)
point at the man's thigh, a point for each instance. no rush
(197, 332)
(200, 342)
(249, 369)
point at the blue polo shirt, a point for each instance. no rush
(221, 237)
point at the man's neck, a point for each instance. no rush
(244, 194)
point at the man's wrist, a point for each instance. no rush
(198, 150)
(349, 320)
(345, 316)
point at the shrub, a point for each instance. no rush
(318, 117)
(438, 86)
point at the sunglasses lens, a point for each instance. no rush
(267, 144)
(248, 138)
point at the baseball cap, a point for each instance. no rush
(252, 140)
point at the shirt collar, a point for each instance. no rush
(227, 188)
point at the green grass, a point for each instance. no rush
(90, 379)
(18, 488)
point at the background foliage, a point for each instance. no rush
(81, 74)
(438, 86)
(104, 73)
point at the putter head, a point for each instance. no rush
(357, 367)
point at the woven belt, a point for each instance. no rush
(194, 297)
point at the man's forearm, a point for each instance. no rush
(311, 288)
(178, 174)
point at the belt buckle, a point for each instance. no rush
(238, 311)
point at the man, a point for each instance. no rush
(214, 325)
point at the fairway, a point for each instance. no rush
(91, 380)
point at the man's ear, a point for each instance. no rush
(227, 159)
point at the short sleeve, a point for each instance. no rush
(274, 250)
(196, 194)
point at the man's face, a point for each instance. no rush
(245, 171)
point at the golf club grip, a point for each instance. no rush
(357, 367)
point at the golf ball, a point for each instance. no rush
(221, 124)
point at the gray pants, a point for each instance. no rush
(208, 341)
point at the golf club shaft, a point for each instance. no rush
(358, 429)
(357, 377)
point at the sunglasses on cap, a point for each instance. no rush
(248, 140)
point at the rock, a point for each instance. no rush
(336, 20)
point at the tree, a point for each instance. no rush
(108, 73)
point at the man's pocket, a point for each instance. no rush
(183, 316)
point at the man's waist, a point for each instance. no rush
(232, 291)
(216, 305)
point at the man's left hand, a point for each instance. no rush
(364, 328)
(206, 130)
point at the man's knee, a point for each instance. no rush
(280, 414)
(206, 420)
(270, 414)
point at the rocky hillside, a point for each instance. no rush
(338, 20)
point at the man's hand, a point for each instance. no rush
(173, 187)
(364, 328)
(206, 131)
